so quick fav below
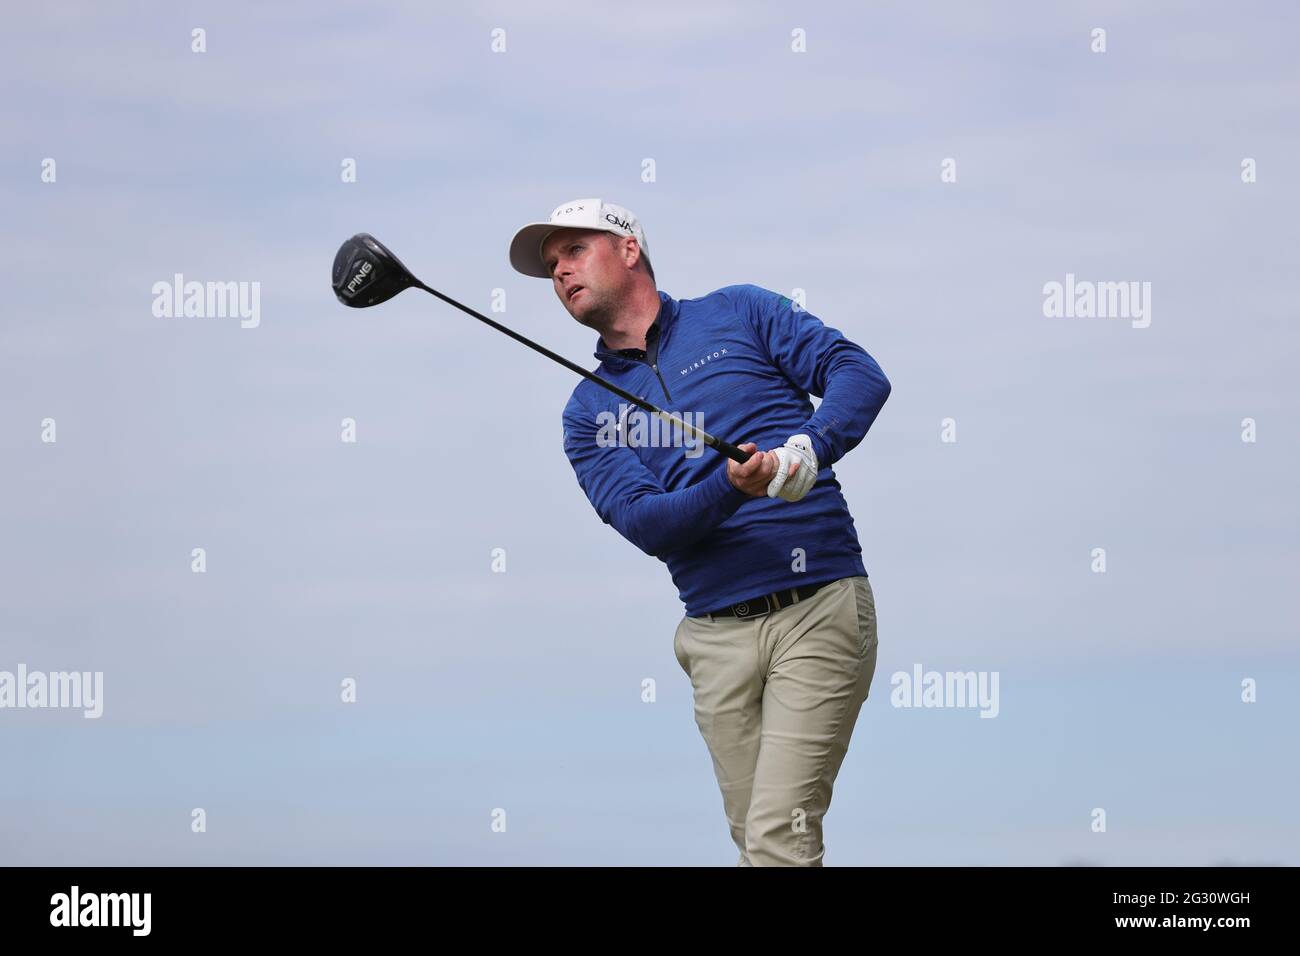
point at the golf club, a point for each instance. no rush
(367, 273)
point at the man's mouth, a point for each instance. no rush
(574, 291)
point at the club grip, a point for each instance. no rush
(731, 451)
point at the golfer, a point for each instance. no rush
(779, 634)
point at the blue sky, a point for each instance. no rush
(521, 690)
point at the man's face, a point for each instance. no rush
(588, 273)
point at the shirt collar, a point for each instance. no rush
(668, 308)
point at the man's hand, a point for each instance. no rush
(755, 475)
(796, 471)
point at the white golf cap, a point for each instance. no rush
(526, 247)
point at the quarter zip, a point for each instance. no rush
(649, 355)
(652, 353)
(656, 371)
(661, 380)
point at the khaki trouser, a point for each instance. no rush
(776, 698)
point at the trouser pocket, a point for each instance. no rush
(866, 610)
(678, 651)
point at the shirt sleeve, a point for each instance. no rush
(627, 495)
(822, 362)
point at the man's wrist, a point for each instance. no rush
(820, 448)
(727, 488)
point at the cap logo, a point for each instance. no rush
(621, 223)
(568, 209)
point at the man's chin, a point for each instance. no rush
(585, 316)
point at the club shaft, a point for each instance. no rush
(717, 444)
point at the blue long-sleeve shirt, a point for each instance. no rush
(742, 361)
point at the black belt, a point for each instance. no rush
(757, 607)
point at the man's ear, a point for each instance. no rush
(632, 251)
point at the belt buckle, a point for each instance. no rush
(742, 609)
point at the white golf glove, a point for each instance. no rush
(799, 448)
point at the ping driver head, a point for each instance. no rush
(367, 273)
